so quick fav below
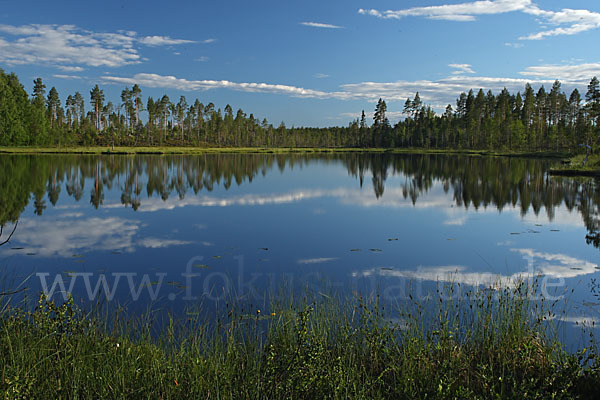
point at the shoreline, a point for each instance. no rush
(164, 150)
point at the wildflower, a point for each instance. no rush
(273, 314)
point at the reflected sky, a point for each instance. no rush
(245, 223)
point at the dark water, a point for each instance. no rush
(177, 230)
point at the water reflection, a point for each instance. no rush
(152, 183)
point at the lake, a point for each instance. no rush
(179, 231)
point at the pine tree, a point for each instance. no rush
(97, 100)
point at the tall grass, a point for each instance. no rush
(467, 344)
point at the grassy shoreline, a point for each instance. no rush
(574, 166)
(266, 150)
(318, 347)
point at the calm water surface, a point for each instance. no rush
(177, 230)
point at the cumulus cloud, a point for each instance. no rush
(69, 47)
(572, 72)
(453, 12)
(320, 25)
(436, 93)
(566, 21)
(461, 69)
(171, 82)
(63, 76)
(162, 41)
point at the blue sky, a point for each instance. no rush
(309, 63)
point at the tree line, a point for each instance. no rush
(479, 120)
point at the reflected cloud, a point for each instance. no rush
(155, 204)
(445, 273)
(69, 234)
(394, 197)
(558, 265)
(589, 322)
(156, 243)
(459, 221)
(63, 236)
(506, 243)
(542, 265)
(317, 260)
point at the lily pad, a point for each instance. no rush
(216, 257)
(354, 249)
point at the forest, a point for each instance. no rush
(529, 121)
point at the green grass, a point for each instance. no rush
(489, 345)
(266, 150)
(574, 166)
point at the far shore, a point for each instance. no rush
(268, 150)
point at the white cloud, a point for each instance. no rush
(462, 68)
(514, 45)
(437, 93)
(207, 41)
(391, 115)
(162, 41)
(202, 59)
(68, 68)
(163, 81)
(454, 12)
(63, 76)
(576, 20)
(567, 21)
(320, 76)
(320, 25)
(68, 46)
(572, 72)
